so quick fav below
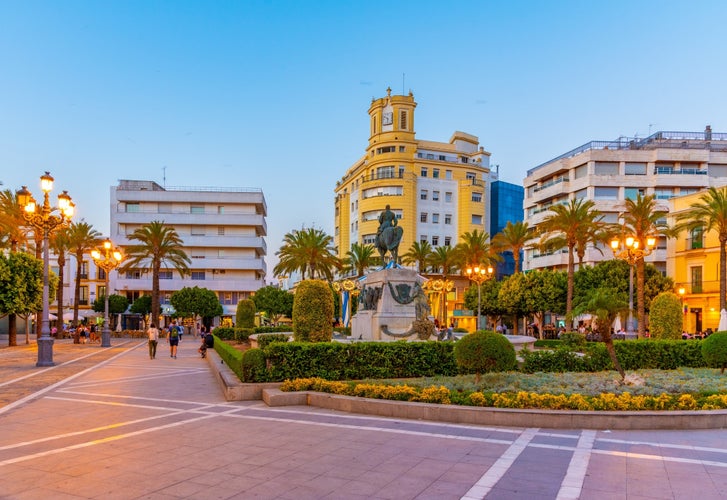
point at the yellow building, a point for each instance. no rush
(438, 190)
(693, 263)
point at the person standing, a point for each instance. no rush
(153, 335)
(173, 340)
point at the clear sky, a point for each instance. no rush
(274, 94)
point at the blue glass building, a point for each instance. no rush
(506, 204)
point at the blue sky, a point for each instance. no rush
(274, 95)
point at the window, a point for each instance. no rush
(447, 241)
(402, 149)
(664, 193)
(696, 272)
(470, 176)
(477, 197)
(633, 193)
(448, 197)
(606, 168)
(448, 219)
(101, 274)
(165, 275)
(220, 209)
(197, 254)
(435, 173)
(383, 191)
(164, 208)
(664, 168)
(197, 230)
(386, 149)
(133, 275)
(448, 174)
(683, 191)
(435, 218)
(424, 172)
(581, 193)
(133, 208)
(84, 271)
(369, 239)
(606, 193)
(402, 169)
(635, 169)
(423, 217)
(385, 172)
(435, 241)
(220, 230)
(402, 120)
(101, 291)
(442, 158)
(465, 159)
(580, 171)
(222, 254)
(198, 276)
(83, 298)
(423, 194)
(196, 209)
(696, 240)
(435, 195)
(476, 220)
(423, 238)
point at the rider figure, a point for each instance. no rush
(386, 219)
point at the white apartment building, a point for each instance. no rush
(223, 230)
(666, 164)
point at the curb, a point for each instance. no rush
(232, 388)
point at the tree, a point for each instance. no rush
(82, 238)
(418, 253)
(710, 213)
(545, 291)
(118, 304)
(159, 245)
(13, 235)
(490, 304)
(474, 250)
(274, 302)
(192, 302)
(308, 251)
(60, 243)
(564, 227)
(512, 297)
(313, 312)
(245, 314)
(142, 305)
(21, 286)
(359, 258)
(513, 238)
(605, 304)
(642, 219)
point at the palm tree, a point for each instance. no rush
(60, 243)
(605, 304)
(513, 238)
(359, 258)
(474, 249)
(564, 227)
(444, 260)
(642, 219)
(710, 213)
(418, 253)
(159, 246)
(82, 238)
(309, 251)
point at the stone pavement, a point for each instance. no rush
(111, 423)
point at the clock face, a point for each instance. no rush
(388, 118)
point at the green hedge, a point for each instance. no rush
(231, 356)
(273, 329)
(238, 334)
(266, 339)
(335, 361)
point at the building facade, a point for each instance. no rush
(693, 263)
(506, 206)
(223, 230)
(438, 190)
(665, 164)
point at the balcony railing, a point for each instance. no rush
(678, 171)
(550, 183)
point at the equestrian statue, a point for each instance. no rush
(388, 236)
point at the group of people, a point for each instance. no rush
(174, 333)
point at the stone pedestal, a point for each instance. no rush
(380, 316)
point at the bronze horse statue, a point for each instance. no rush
(388, 241)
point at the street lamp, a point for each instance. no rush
(440, 287)
(108, 261)
(629, 250)
(43, 219)
(479, 274)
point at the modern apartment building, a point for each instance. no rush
(666, 164)
(223, 230)
(438, 190)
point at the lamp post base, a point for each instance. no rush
(106, 338)
(45, 352)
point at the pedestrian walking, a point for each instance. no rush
(173, 340)
(153, 334)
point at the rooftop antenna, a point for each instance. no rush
(164, 176)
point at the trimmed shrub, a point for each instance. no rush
(666, 316)
(264, 340)
(562, 359)
(484, 351)
(573, 340)
(313, 312)
(253, 366)
(245, 314)
(229, 355)
(272, 329)
(228, 333)
(714, 350)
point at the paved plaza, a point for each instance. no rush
(111, 423)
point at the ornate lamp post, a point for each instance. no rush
(479, 274)
(44, 219)
(441, 287)
(629, 250)
(108, 261)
